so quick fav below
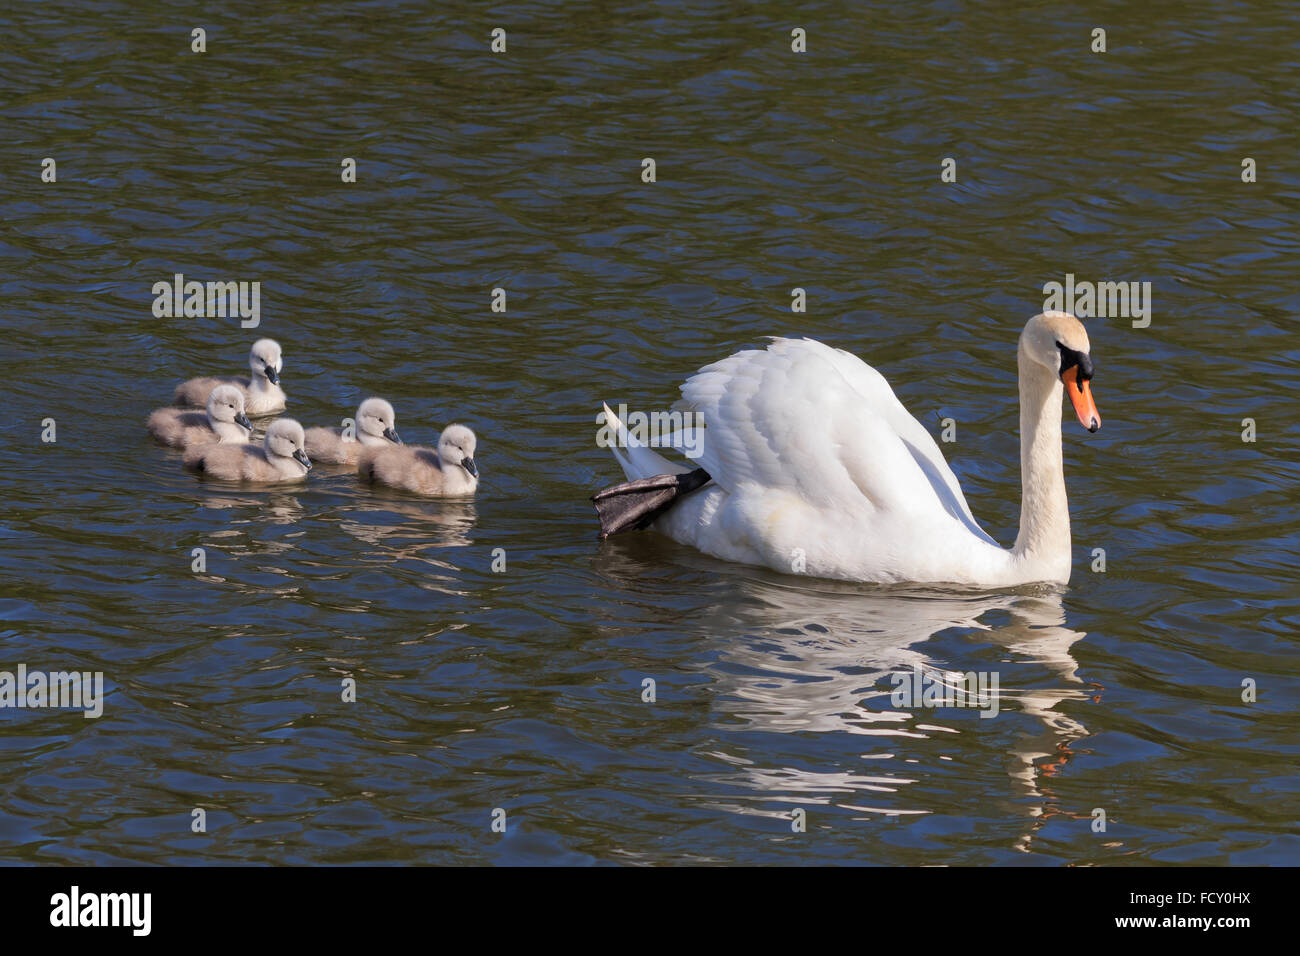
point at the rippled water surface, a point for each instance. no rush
(522, 690)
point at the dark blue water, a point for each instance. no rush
(522, 689)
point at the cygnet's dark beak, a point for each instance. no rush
(468, 465)
(242, 421)
(272, 375)
(301, 457)
(391, 435)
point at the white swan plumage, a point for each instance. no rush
(817, 468)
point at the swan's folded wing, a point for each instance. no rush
(875, 390)
(805, 417)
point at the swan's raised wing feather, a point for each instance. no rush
(875, 390)
(820, 422)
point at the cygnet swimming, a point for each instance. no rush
(281, 457)
(262, 392)
(223, 422)
(448, 471)
(374, 427)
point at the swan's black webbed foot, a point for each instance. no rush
(635, 505)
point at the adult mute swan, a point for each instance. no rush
(811, 465)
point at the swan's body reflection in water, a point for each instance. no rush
(401, 527)
(398, 528)
(392, 526)
(276, 507)
(244, 537)
(808, 656)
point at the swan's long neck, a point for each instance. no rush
(1043, 545)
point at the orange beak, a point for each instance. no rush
(1076, 386)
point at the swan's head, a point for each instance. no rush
(456, 447)
(226, 404)
(1059, 342)
(376, 417)
(284, 438)
(265, 361)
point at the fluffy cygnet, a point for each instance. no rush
(448, 471)
(262, 392)
(374, 426)
(281, 457)
(223, 422)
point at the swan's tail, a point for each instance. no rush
(637, 459)
(654, 483)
